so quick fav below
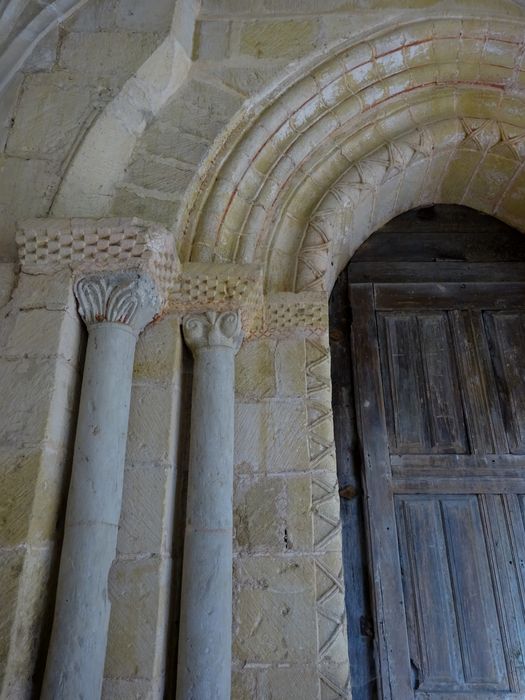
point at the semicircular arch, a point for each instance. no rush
(447, 87)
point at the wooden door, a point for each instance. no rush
(440, 394)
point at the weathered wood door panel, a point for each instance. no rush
(440, 391)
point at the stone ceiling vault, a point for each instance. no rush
(432, 111)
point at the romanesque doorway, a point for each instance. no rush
(429, 408)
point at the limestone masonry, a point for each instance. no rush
(181, 183)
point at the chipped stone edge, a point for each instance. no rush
(88, 246)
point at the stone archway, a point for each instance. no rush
(443, 97)
(431, 111)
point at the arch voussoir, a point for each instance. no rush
(430, 111)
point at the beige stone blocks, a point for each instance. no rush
(134, 590)
(111, 62)
(274, 436)
(255, 370)
(274, 39)
(273, 514)
(274, 610)
(11, 563)
(24, 516)
(39, 353)
(52, 107)
(289, 620)
(141, 583)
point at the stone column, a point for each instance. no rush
(205, 637)
(115, 306)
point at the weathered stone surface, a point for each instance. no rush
(255, 371)
(7, 108)
(44, 333)
(45, 53)
(134, 592)
(31, 487)
(272, 514)
(275, 39)
(287, 445)
(293, 682)
(246, 78)
(274, 610)
(53, 292)
(251, 437)
(28, 614)
(131, 200)
(18, 176)
(158, 352)
(148, 491)
(290, 360)
(272, 436)
(202, 109)
(123, 689)
(245, 685)
(160, 174)
(212, 40)
(151, 423)
(11, 563)
(51, 109)
(37, 401)
(8, 278)
(165, 139)
(112, 57)
(112, 15)
(260, 514)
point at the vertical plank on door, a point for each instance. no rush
(391, 635)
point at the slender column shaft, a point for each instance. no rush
(204, 668)
(78, 644)
(76, 656)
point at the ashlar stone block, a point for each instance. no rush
(147, 489)
(251, 437)
(99, 56)
(158, 351)
(134, 592)
(273, 514)
(271, 436)
(255, 370)
(292, 682)
(44, 333)
(270, 39)
(290, 359)
(36, 402)
(50, 113)
(287, 448)
(54, 292)
(11, 563)
(151, 429)
(31, 486)
(274, 610)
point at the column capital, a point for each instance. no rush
(213, 329)
(128, 297)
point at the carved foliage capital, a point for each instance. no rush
(213, 329)
(127, 297)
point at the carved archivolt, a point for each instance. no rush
(476, 162)
(372, 110)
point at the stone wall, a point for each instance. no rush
(40, 359)
(145, 576)
(53, 101)
(58, 147)
(289, 627)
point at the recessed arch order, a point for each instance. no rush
(431, 111)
